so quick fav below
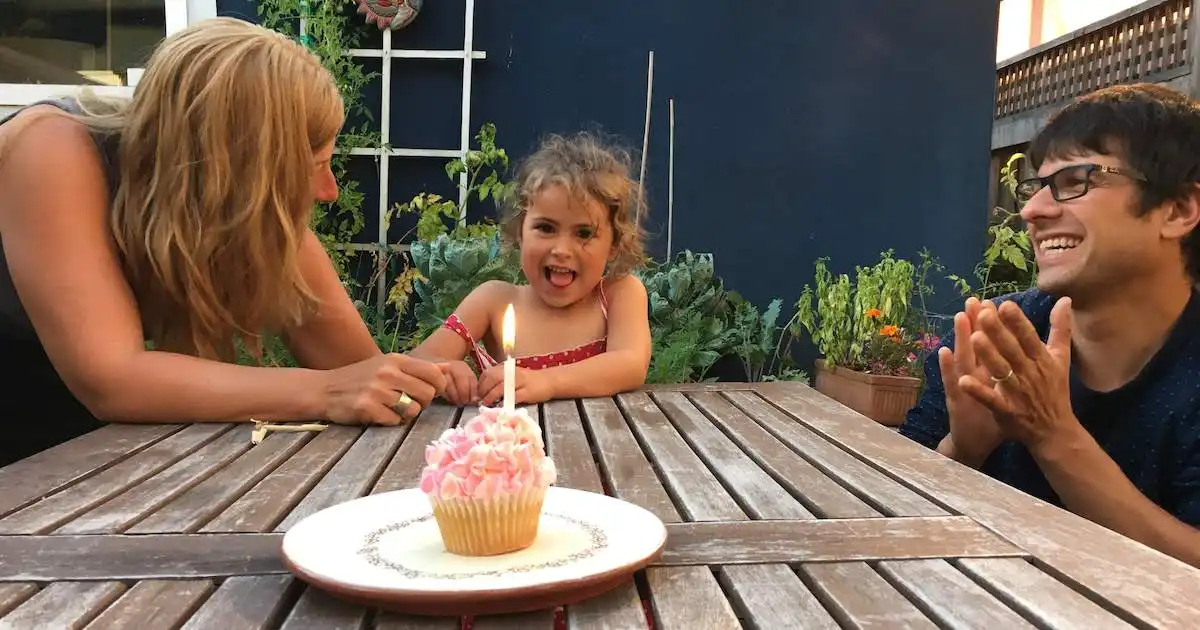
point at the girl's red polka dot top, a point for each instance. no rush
(484, 360)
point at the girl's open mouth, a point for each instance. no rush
(560, 277)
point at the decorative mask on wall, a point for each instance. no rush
(393, 14)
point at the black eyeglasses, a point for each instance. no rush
(1070, 182)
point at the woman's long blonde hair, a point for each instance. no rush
(215, 159)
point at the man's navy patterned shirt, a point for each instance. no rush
(1150, 427)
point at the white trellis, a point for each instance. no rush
(467, 54)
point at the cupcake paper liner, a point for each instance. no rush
(477, 527)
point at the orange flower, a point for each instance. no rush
(873, 313)
(889, 331)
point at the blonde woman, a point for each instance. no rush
(180, 218)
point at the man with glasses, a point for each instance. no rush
(1085, 391)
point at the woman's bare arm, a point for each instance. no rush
(65, 267)
(336, 336)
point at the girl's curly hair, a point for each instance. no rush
(585, 166)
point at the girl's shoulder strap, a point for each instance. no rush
(482, 358)
(603, 299)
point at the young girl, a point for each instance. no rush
(582, 323)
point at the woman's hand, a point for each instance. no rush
(370, 392)
(533, 386)
(460, 383)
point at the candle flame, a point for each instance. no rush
(509, 330)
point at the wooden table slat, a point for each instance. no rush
(629, 473)
(756, 491)
(63, 605)
(826, 498)
(141, 500)
(271, 499)
(394, 621)
(699, 494)
(618, 609)
(404, 471)
(203, 501)
(318, 610)
(567, 445)
(772, 596)
(150, 556)
(352, 476)
(58, 508)
(682, 597)
(886, 494)
(1027, 588)
(154, 604)
(724, 386)
(949, 596)
(141, 557)
(535, 620)
(1087, 553)
(829, 540)
(11, 595)
(858, 597)
(245, 603)
(59, 466)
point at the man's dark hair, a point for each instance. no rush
(1151, 128)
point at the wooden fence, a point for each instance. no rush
(1148, 42)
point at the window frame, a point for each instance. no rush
(179, 14)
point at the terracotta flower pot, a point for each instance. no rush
(884, 399)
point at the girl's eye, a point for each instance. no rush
(586, 233)
(544, 228)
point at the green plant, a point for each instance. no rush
(433, 211)
(689, 318)
(1008, 264)
(763, 347)
(869, 325)
(450, 268)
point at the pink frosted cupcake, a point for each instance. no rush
(486, 480)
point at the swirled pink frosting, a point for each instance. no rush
(496, 452)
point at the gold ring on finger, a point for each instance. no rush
(1002, 378)
(402, 404)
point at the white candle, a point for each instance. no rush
(508, 338)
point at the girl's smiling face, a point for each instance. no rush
(566, 242)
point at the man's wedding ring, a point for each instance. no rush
(1003, 378)
(402, 404)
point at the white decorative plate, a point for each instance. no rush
(385, 550)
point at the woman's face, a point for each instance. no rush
(324, 184)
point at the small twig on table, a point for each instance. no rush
(261, 429)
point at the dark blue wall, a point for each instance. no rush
(803, 129)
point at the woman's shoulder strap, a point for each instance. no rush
(106, 144)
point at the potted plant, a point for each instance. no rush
(872, 341)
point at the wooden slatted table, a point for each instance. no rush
(784, 508)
